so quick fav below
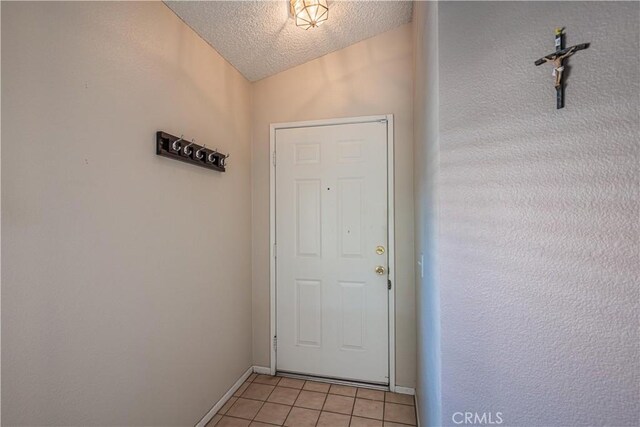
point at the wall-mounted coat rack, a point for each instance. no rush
(178, 148)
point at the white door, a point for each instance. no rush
(332, 293)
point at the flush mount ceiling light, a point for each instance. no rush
(309, 13)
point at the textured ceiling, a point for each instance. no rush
(260, 39)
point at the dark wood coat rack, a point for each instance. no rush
(178, 148)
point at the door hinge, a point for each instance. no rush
(275, 250)
(388, 283)
(275, 343)
(274, 158)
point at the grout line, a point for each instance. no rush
(384, 408)
(290, 388)
(403, 404)
(323, 403)
(285, 418)
(289, 411)
(265, 401)
(231, 416)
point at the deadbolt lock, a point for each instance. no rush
(379, 250)
(380, 270)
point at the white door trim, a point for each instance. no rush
(391, 228)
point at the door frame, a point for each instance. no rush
(390, 228)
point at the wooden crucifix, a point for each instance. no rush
(557, 60)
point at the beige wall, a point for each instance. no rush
(370, 77)
(126, 296)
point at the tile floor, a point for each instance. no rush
(264, 400)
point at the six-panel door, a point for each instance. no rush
(331, 223)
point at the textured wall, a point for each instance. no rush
(126, 296)
(425, 160)
(370, 77)
(539, 208)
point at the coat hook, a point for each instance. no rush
(212, 155)
(175, 143)
(199, 154)
(189, 145)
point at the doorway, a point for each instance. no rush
(332, 293)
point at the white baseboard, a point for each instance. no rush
(415, 400)
(262, 370)
(203, 422)
(406, 390)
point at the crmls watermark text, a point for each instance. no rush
(477, 418)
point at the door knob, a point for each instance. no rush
(379, 250)
(380, 270)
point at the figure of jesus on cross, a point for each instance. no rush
(558, 68)
(557, 60)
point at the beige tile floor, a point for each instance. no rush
(265, 400)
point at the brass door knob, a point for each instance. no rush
(379, 250)
(380, 270)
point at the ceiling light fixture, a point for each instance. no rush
(309, 13)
